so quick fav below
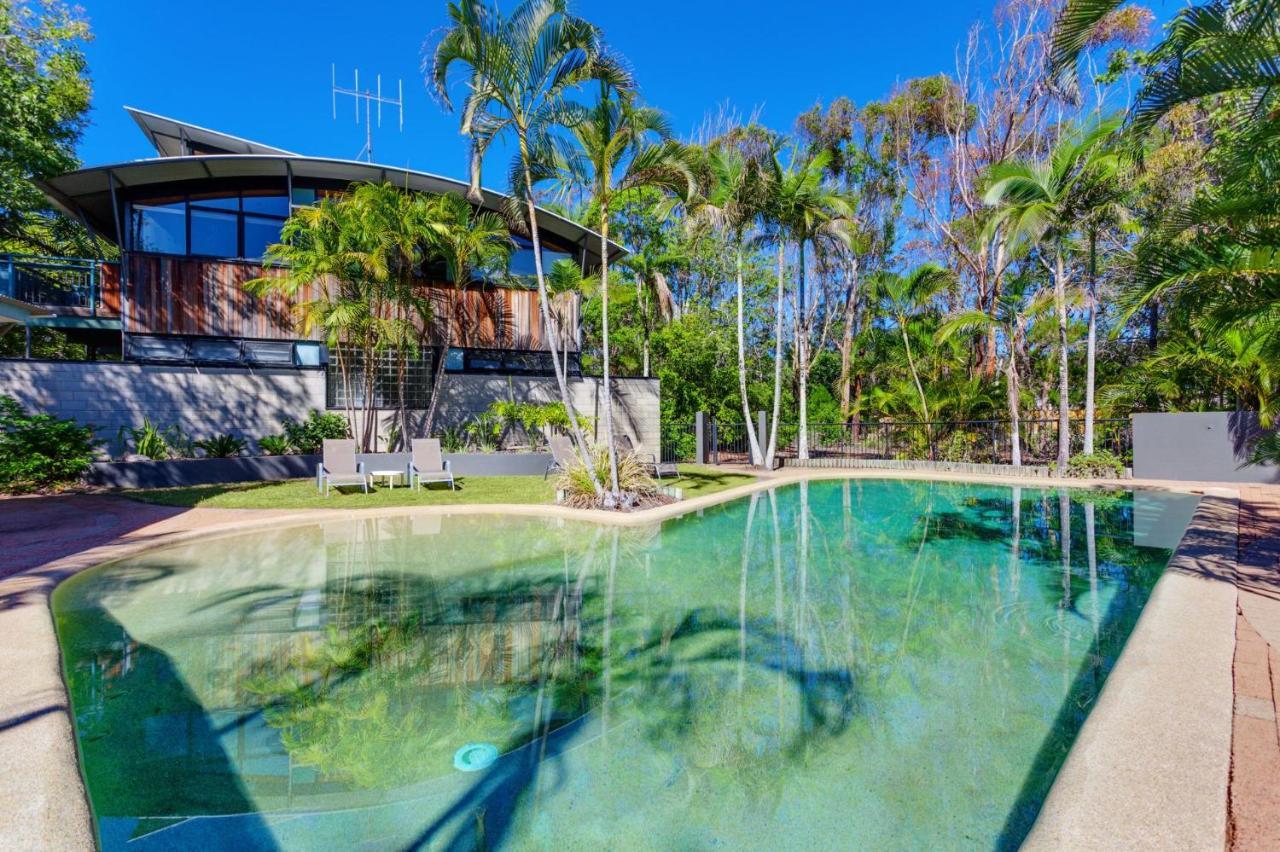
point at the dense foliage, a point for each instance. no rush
(39, 451)
(308, 435)
(44, 105)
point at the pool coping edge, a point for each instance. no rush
(1150, 767)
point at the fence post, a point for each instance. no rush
(700, 437)
(762, 437)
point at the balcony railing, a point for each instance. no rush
(54, 282)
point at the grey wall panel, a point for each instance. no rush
(1206, 446)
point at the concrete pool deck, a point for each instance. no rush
(1153, 766)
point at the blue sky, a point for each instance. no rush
(262, 69)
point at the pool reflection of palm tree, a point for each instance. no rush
(351, 702)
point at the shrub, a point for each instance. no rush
(307, 436)
(1100, 464)
(274, 445)
(633, 479)
(484, 432)
(222, 446)
(960, 447)
(453, 439)
(534, 419)
(41, 451)
(151, 441)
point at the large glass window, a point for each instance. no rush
(271, 205)
(223, 225)
(213, 232)
(160, 227)
(260, 232)
(522, 265)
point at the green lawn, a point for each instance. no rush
(301, 493)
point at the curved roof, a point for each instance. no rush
(88, 191)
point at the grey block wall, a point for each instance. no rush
(1210, 446)
(201, 401)
(253, 403)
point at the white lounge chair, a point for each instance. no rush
(340, 467)
(563, 455)
(426, 464)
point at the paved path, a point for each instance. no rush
(1255, 740)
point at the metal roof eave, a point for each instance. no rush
(67, 191)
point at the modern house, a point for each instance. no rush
(171, 333)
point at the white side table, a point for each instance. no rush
(389, 474)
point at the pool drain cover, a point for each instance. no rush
(473, 757)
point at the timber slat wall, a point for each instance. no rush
(174, 295)
(109, 289)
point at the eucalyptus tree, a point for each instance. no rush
(622, 146)
(1015, 309)
(520, 72)
(905, 298)
(1038, 201)
(808, 211)
(474, 245)
(729, 201)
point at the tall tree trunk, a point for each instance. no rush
(752, 442)
(438, 380)
(911, 363)
(772, 452)
(802, 360)
(604, 334)
(846, 343)
(1015, 423)
(551, 327)
(1091, 346)
(1064, 402)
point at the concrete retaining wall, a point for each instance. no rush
(252, 403)
(1206, 446)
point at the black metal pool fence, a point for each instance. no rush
(975, 441)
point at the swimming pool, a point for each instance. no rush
(869, 663)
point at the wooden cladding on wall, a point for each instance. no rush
(177, 295)
(109, 289)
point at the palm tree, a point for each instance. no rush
(321, 264)
(522, 69)
(393, 223)
(904, 298)
(1038, 202)
(473, 244)
(649, 268)
(1217, 47)
(807, 210)
(730, 203)
(1013, 312)
(617, 154)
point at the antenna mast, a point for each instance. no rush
(369, 98)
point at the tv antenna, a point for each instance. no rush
(369, 98)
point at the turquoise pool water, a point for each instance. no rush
(838, 664)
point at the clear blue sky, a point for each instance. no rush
(261, 68)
